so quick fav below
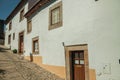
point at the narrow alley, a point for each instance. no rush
(12, 67)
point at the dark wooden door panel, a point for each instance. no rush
(77, 65)
(79, 73)
(21, 43)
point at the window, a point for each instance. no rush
(78, 57)
(55, 16)
(13, 36)
(29, 26)
(22, 15)
(10, 26)
(9, 39)
(35, 45)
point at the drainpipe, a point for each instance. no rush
(65, 57)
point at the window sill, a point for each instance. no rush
(35, 53)
(54, 26)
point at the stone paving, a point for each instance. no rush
(13, 68)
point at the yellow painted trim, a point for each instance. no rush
(92, 74)
(58, 70)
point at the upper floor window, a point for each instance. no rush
(55, 16)
(35, 45)
(10, 25)
(13, 36)
(9, 39)
(22, 15)
(29, 26)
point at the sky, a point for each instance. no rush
(6, 7)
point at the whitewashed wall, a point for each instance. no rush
(84, 22)
(17, 27)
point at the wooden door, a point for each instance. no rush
(21, 43)
(77, 65)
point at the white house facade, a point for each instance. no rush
(76, 40)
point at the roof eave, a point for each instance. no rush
(36, 7)
(15, 11)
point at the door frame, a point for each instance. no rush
(20, 34)
(78, 47)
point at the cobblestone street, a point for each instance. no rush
(13, 68)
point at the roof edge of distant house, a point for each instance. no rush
(15, 11)
(34, 8)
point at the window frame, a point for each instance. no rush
(22, 14)
(9, 39)
(78, 57)
(13, 36)
(10, 25)
(33, 43)
(29, 26)
(60, 23)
